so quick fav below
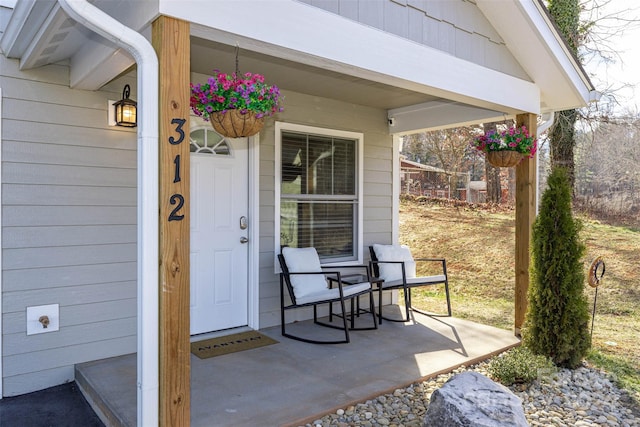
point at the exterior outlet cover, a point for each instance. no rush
(36, 326)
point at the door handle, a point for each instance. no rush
(243, 239)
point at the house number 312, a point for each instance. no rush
(177, 199)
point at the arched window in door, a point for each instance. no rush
(205, 140)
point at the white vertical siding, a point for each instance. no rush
(377, 197)
(69, 226)
(451, 26)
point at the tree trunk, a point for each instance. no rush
(562, 142)
(566, 14)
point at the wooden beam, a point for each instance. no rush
(170, 38)
(525, 215)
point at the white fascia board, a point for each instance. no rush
(295, 31)
(572, 69)
(545, 57)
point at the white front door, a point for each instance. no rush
(219, 231)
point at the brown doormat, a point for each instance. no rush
(230, 344)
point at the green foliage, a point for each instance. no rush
(557, 322)
(519, 365)
(566, 13)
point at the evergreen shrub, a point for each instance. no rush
(557, 320)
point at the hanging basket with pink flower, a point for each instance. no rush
(506, 148)
(235, 104)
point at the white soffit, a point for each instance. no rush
(295, 31)
(25, 22)
(40, 33)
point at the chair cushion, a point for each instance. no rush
(334, 293)
(391, 272)
(304, 260)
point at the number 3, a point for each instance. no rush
(180, 123)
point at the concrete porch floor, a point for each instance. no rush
(291, 383)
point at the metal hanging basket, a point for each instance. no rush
(504, 159)
(235, 124)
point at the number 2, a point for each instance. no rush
(176, 198)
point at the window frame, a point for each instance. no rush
(281, 127)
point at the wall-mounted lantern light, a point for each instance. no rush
(125, 110)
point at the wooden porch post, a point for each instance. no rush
(170, 38)
(526, 187)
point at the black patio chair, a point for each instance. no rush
(310, 285)
(397, 267)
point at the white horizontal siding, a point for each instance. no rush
(33, 173)
(41, 133)
(35, 215)
(68, 195)
(106, 329)
(59, 277)
(54, 256)
(69, 226)
(33, 237)
(59, 360)
(70, 295)
(37, 380)
(22, 152)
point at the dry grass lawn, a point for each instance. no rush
(478, 243)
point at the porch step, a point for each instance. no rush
(112, 400)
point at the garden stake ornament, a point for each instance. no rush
(596, 271)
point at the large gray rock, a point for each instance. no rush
(470, 399)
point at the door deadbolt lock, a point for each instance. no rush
(243, 223)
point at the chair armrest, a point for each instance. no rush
(442, 261)
(430, 259)
(338, 268)
(304, 272)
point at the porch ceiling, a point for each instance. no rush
(208, 55)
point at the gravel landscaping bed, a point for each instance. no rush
(581, 397)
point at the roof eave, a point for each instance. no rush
(544, 57)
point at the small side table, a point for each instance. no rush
(354, 279)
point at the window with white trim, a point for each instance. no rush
(319, 178)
